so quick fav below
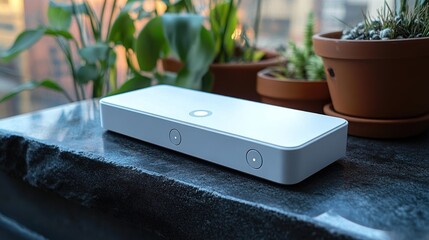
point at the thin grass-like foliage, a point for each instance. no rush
(403, 22)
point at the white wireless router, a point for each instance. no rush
(279, 144)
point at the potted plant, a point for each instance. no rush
(91, 52)
(300, 83)
(376, 72)
(235, 66)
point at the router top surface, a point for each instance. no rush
(278, 126)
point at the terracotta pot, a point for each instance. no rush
(376, 128)
(298, 94)
(376, 79)
(233, 79)
(171, 64)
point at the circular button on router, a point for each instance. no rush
(175, 137)
(200, 113)
(254, 159)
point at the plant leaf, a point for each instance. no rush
(176, 7)
(200, 56)
(81, 8)
(87, 73)
(47, 83)
(122, 31)
(223, 29)
(186, 37)
(111, 60)
(59, 17)
(193, 44)
(131, 6)
(181, 32)
(257, 55)
(169, 78)
(207, 82)
(93, 53)
(150, 44)
(59, 33)
(28, 38)
(24, 41)
(134, 83)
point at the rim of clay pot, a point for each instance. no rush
(264, 73)
(290, 88)
(331, 45)
(270, 59)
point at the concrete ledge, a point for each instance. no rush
(378, 191)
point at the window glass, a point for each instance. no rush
(281, 21)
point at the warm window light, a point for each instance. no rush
(250, 33)
(150, 6)
(237, 33)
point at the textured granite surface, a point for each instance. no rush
(380, 190)
(27, 212)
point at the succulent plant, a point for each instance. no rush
(302, 63)
(390, 24)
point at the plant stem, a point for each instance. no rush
(103, 8)
(94, 22)
(97, 87)
(133, 69)
(67, 96)
(404, 6)
(222, 52)
(111, 19)
(136, 71)
(113, 84)
(82, 90)
(79, 23)
(256, 29)
(69, 59)
(103, 86)
(189, 6)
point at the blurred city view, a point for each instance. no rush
(282, 20)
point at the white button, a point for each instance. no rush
(254, 159)
(175, 137)
(200, 113)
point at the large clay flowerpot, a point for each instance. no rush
(233, 79)
(377, 79)
(298, 94)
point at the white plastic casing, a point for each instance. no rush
(279, 144)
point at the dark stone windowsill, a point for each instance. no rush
(379, 190)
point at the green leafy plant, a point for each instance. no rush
(223, 24)
(92, 60)
(404, 22)
(302, 63)
(177, 33)
(183, 36)
(91, 53)
(196, 46)
(96, 60)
